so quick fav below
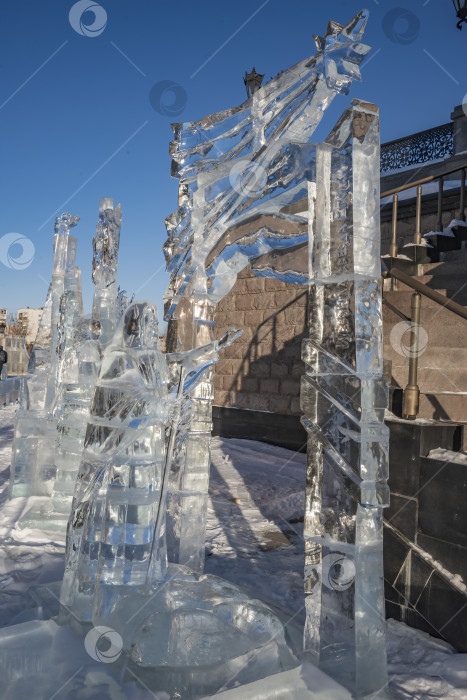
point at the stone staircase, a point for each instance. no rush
(442, 362)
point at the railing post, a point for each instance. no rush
(439, 223)
(462, 198)
(418, 225)
(393, 247)
(411, 399)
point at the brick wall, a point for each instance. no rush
(262, 369)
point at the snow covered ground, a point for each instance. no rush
(254, 538)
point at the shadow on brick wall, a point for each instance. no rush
(261, 371)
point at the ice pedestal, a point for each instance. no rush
(193, 634)
(33, 454)
(191, 637)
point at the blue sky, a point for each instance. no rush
(77, 123)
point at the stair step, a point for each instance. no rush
(447, 408)
(455, 256)
(446, 280)
(446, 267)
(443, 406)
(436, 330)
(402, 299)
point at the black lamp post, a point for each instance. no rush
(461, 11)
(253, 81)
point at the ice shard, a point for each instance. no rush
(241, 171)
(343, 398)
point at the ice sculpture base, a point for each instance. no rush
(194, 634)
(40, 517)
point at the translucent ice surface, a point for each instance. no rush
(343, 397)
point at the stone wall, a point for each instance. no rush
(262, 369)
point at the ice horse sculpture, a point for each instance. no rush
(241, 172)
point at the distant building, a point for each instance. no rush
(28, 323)
(3, 316)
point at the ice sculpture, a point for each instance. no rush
(343, 399)
(116, 531)
(79, 355)
(77, 374)
(34, 443)
(241, 172)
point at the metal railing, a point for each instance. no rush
(422, 147)
(411, 398)
(418, 211)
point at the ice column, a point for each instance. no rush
(104, 267)
(32, 466)
(189, 478)
(343, 400)
(63, 224)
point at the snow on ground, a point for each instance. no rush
(448, 456)
(254, 538)
(27, 557)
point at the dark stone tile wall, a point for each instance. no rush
(425, 537)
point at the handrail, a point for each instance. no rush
(426, 291)
(422, 180)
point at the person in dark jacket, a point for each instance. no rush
(3, 359)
